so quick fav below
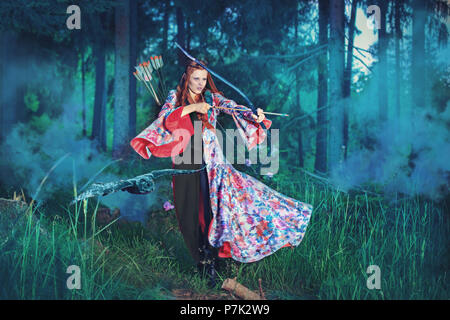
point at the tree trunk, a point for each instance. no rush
(320, 164)
(121, 80)
(418, 72)
(99, 51)
(103, 129)
(6, 119)
(165, 25)
(133, 62)
(443, 36)
(398, 71)
(383, 63)
(3, 105)
(299, 107)
(83, 83)
(180, 37)
(336, 62)
(188, 33)
(83, 92)
(12, 106)
(348, 74)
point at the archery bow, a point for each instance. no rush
(249, 103)
(142, 184)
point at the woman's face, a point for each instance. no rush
(197, 81)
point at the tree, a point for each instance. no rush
(121, 79)
(348, 74)
(165, 25)
(383, 63)
(298, 105)
(398, 13)
(181, 39)
(99, 51)
(12, 87)
(336, 69)
(320, 164)
(133, 62)
(83, 80)
(418, 69)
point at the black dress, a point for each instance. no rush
(191, 197)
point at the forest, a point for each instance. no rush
(366, 142)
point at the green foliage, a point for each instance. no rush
(346, 234)
(31, 101)
(45, 17)
(40, 123)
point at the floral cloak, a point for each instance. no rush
(251, 220)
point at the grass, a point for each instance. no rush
(347, 233)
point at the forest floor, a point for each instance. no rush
(120, 259)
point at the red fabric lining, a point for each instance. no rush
(172, 122)
(225, 250)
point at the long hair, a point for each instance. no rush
(183, 96)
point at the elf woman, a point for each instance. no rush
(221, 211)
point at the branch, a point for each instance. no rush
(303, 60)
(357, 48)
(287, 56)
(363, 63)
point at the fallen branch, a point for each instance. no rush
(238, 289)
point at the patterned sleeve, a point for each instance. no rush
(158, 138)
(251, 132)
(172, 118)
(221, 101)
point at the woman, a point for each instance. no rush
(220, 210)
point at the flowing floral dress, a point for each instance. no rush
(250, 220)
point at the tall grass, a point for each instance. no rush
(36, 254)
(347, 233)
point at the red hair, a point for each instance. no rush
(183, 96)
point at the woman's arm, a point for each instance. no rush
(189, 109)
(200, 107)
(226, 106)
(251, 131)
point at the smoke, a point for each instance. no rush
(406, 155)
(27, 158)
(409, 159)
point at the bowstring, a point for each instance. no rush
(237, 149)
(229, 139)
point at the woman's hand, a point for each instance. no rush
(202, 107)
(260, 116)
